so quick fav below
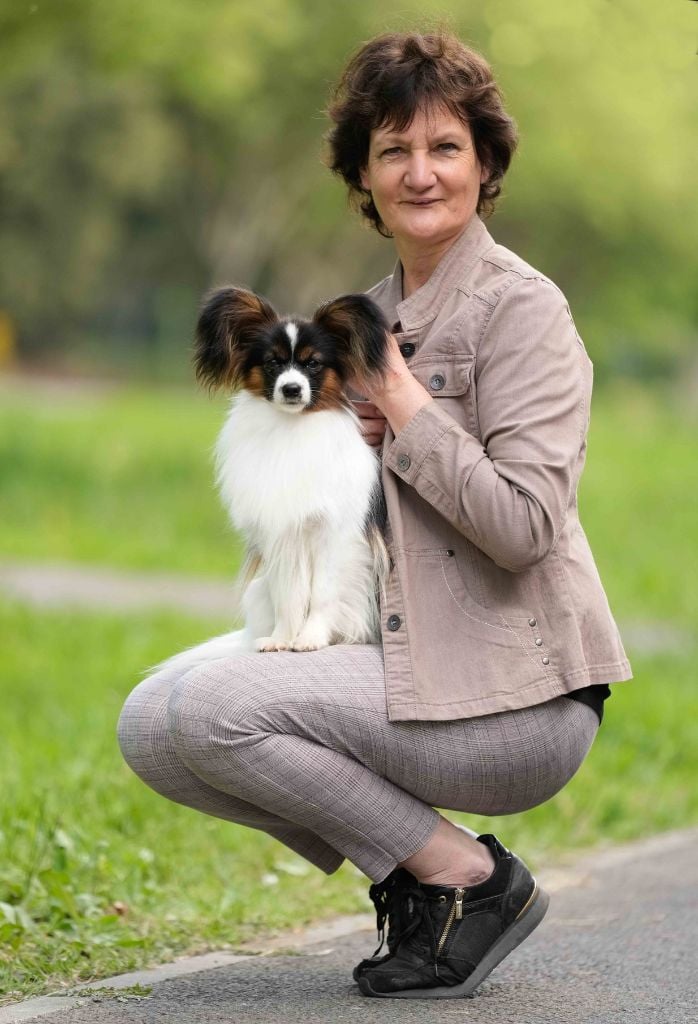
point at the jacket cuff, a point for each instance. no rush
(418, 438)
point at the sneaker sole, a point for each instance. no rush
(529, 918)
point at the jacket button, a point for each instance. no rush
(450, 552)
(532, 622)
(546, 660)
(539, 642)
(394, 623)
(403, 462)
(407, 348)
(437, 382)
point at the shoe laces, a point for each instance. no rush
(390, 900)
(384, 895)
(380, 893)
(420, 902)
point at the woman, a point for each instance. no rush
(495, 614)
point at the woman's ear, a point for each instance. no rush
(365, 178)
(230, 320)
(359, 329)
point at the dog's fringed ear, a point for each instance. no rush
(360, 327)
(229, 322)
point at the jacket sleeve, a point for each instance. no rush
(509, 494)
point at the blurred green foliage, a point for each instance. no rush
(148, 150)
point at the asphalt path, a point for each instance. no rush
(619, 945)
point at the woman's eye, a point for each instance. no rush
(448, 146)
(392, 151)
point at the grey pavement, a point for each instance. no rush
(619, 946)
(70, 585)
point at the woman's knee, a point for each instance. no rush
(142, 726)
(214, 706)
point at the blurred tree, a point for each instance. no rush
(149, 150)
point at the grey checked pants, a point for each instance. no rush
(300, 746)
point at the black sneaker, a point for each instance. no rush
(388, 900)
(458, 935)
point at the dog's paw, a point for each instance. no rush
(270, 643)
(308, 640)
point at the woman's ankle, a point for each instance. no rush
(451, 857)
(470, 874)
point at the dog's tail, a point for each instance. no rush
(376, 523)
(381, 559)
(228, 645)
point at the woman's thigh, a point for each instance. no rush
(335, 698)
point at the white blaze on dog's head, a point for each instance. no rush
(292, 391)
(292, 332)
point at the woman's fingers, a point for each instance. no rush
(367, 410)
(375, 440)
(372, 422)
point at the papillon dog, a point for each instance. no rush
(298, 479)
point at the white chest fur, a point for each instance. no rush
(278, 472)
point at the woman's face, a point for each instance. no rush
(425, 181)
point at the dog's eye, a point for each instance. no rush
(272, 361)
(312, 364)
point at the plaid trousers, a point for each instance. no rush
(300, 746)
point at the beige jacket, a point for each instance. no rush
(494, 600)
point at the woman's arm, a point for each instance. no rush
(508, 495)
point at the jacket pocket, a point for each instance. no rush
(439, 610)
(462, 594)
(448, 379)
(443, 376)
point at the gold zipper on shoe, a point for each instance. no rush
(455, 913)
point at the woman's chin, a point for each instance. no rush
(425, 228)
(427, 224)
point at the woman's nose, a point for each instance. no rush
(419, 174)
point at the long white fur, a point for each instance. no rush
(298, 488)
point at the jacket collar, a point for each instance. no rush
(423, 306)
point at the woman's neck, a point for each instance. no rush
(418, 266)
(419, 261)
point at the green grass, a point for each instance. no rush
(638, 503)
(100, 875)
(122, 479)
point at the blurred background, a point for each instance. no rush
(150, 150)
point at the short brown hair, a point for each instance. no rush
(392, 76)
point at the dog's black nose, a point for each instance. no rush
(291, 390)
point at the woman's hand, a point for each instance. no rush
(372, 422)
(396, 398)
